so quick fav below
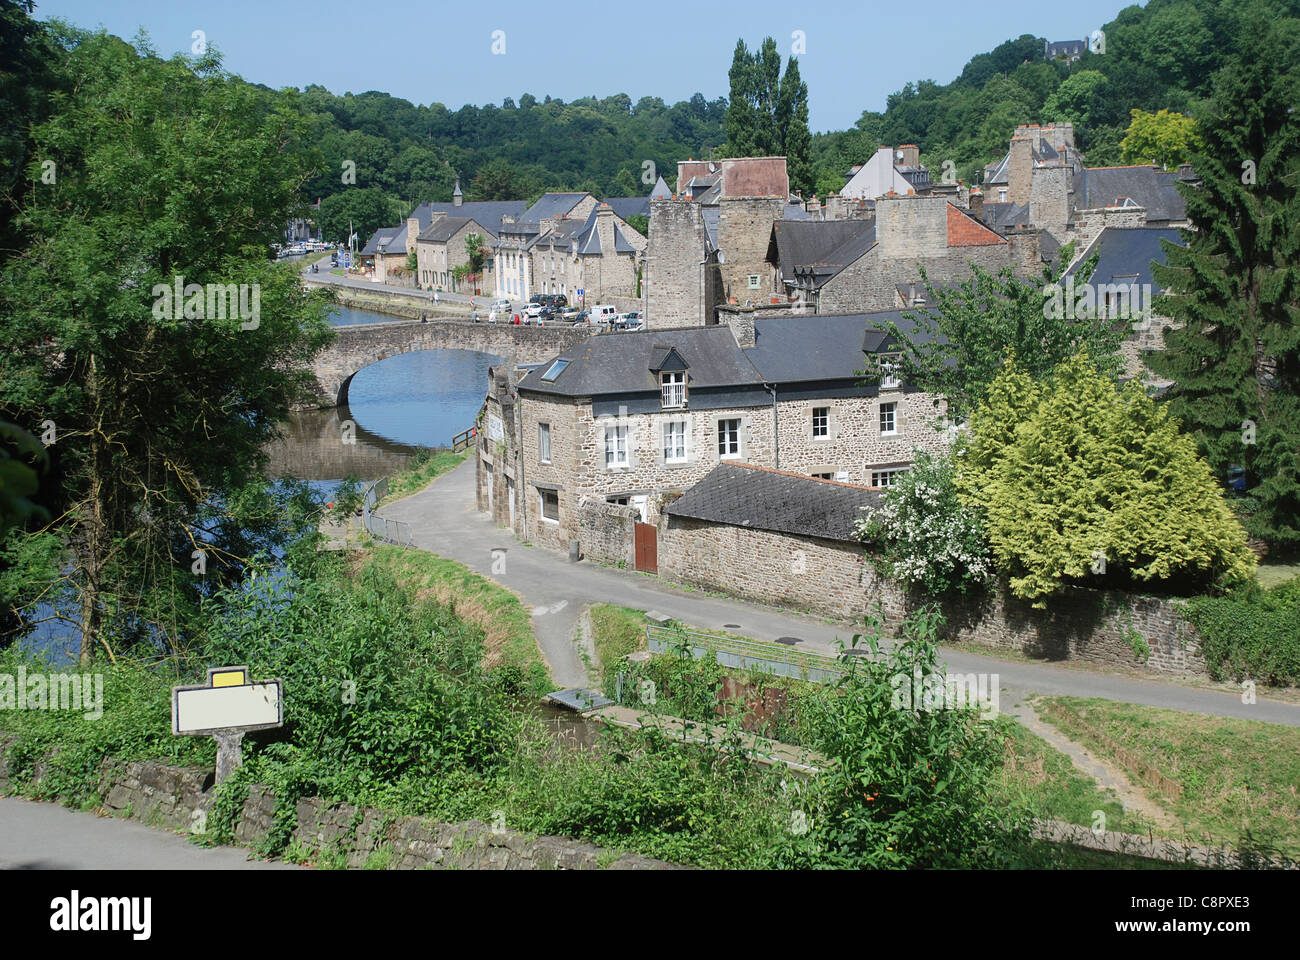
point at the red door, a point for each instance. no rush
(646, 546)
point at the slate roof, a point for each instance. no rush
(630, 206)
(817, 272)
(1146, 185)
(999, 216)
(760, 498)
(385, 234)
(614, 363)
(551, 205)
(799, 244)
(803, 349)
(444, 228)
(1124, 253)
(661, 191)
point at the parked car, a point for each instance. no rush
(501, 306)
(604, 313)
(569, 313)
(546, 313)
(533, 310)
(582, 319)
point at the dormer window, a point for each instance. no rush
(889, 372)
(672, 389)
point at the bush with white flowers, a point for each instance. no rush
(922, 535)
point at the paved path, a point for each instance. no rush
(445, 521)
(46, 836)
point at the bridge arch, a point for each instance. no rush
(361, 345)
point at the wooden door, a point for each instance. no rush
(646, 547)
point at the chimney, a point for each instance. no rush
(412, 233)
(457, 198)
(741, 322)
(911, 155)
(1020, 170)
(1049, 199)
(977, 203)
(605, 228)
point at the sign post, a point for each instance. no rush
(225, 708)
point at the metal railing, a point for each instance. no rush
(391, 531)
(746, 654)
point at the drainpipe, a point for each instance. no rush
(521, 488)
(776, 433)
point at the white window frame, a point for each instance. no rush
(616, 445)
(544, 442)
(730, 454)
(826, 422)
(892, 410)
(889, 475)
(674, 453)
(672, 389)
(755, 281)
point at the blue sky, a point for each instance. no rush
(855, 53)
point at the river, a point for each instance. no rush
(409, 401)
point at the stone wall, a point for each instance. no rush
(177, 798)
(854, 444)
(871, 282)
(833, 579)
(673, 282)
(744, 233)
(1087, 225)
(822, 576)
(605, 532)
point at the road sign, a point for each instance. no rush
(225, 708)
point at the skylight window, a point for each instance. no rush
(557, 368)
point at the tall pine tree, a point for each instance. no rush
(792, 120)
(1235, 287)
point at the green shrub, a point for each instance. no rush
(1251, 634)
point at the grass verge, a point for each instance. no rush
(425, 467)
(505, 621)
(1224, 778)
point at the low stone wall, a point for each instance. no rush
(177, 798)
(606, 533)
(833, 579)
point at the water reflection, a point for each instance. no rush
(414, 400)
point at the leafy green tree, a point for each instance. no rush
(908, 785)
(1080, 481)
(1080, 99)
(1234, 289)
(361, 209)
(161, 410)
(959, 344)
(1165, 138)
(18, 478)
(742, 111)
(476, 255)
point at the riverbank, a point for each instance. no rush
(402, 305)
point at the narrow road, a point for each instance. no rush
(444, 520)
(46, 836)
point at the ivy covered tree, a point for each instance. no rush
(1080, 481)
(1234, 289)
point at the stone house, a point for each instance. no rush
(600, 256)
(859, 266)
(629, 418)
(441, 249)
(888, 171)
(512, 251)
(708, 243)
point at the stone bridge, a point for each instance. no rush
(360, 345)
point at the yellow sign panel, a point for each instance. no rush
(229, 678)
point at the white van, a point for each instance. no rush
(604, 313)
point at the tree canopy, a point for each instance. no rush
(1079, 481)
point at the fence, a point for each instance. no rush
(390, 531)
(746, 654)
(462, 440)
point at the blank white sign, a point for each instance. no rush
(221, 708)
